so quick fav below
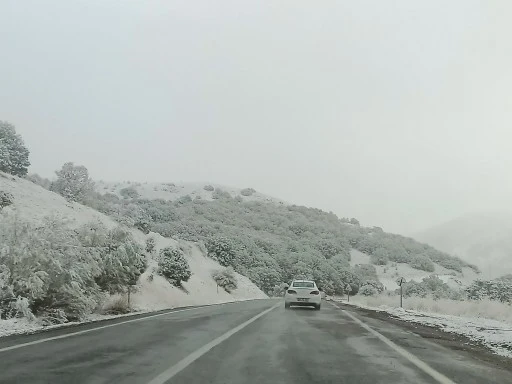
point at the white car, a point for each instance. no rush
(304, 293)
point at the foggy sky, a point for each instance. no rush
(395, 112)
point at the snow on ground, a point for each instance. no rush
(158, 294)
(173, 191)
(388, 274)
(495, 334)
(33, 203)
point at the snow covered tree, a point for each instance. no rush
(423, 263)
(13, 153)
(173, 266)
(222, 250)
(368, 290)
(73, 182)
(122, 261)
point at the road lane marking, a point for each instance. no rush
(44, 340)
(439, 377)
(184, 363)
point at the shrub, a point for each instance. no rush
(129, 193)
(368, 290)
(49, 267)
(379, 257)
(13, 153)
(226, 279)
(498, 289)
(376, 286)
(422, 263)
(6, 199)
(220, 194)
(122, 261)
(173, 266)
(247, 191)
(221, 249)
(208, 188)
(150, 245)
(117, 306)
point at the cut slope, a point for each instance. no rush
(33, 203)
(482, 239)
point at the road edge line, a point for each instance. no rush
(439, 377)
(167, 312)
(185, 362)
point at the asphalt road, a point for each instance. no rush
(241, 343)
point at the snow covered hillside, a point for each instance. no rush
(32, 203)
(173, 191)
(388, 274)
(481, 239)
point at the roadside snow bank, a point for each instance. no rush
(497, 335)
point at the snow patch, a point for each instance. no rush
(496, 335)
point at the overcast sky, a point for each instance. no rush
(395, 112)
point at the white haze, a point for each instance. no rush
(395, 112)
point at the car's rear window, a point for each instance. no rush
(303, 284)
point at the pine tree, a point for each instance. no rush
(13, 153)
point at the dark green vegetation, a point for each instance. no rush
(273, 243)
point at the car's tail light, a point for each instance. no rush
(315, 292)
(291, 291)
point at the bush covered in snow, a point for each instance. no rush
(226, 279)
(220, 194)
(431, 286)
(498, 289)
(6, 199)
(55, 268)
(13, 153)
(150, 245)
(247, 192)
(371, 287)
(209, 188)
(221, 249)
(73, 182)
(129, 193)
(422, 263)
(380, 257)
(368, 290)
(173, 266)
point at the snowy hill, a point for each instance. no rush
(388, 274)
(173, 191)
(481, 239)
(32, 203)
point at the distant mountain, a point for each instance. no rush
(482, 239)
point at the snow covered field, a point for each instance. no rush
(388, 274)
(487, 322)
(173, 191)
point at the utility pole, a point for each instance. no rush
(401, 282)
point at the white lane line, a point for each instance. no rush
(439, 377)
(182, 364)
(40, 341)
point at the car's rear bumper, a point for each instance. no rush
(310, 301)
(302, 303)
